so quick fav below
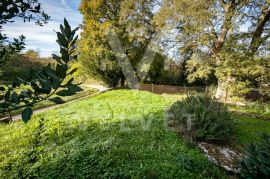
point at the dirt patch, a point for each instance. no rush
(223, 156)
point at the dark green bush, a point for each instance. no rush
(201, 118)
(256, 163)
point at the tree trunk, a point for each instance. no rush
(123, 80)
(223, 93)
(257, 39)
(229, 7)
(229, 12)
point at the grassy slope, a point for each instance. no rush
(86, 91)
(90, 138)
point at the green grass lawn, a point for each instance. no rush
(118, 134)
(250, 121)
(253, 109)
(248, 128)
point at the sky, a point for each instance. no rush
(44, 38)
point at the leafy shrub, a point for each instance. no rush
(202, 118)
(256, 163)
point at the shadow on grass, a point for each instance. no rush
(113, 148)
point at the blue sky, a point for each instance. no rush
(43, 38)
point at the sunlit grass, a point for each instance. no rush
(114, 135)
(248, 129)
(253, 108)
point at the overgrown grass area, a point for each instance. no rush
(118, 134)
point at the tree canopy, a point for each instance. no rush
(227, 37)
(217, 40)
(131, 20)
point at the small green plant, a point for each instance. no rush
(202, 118)
(256, 163)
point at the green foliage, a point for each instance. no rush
(20, 65)
(30, 10)
(27, 10)
(211, 34)
(32, 54)
(108, 72)
(203, 118)
(46, 82)
(8, 48)
(156, 73)
(256, 161)
(201, 67)
(132, 20)
(26, 114)
(75, 142)
(97, 58)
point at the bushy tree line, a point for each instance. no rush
(218, 41)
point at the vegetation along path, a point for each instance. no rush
(99, 88)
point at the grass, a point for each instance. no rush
(118, 134)
(248, 128)
(253, 109)
(250, 121)
(86, 91)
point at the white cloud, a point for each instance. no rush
(43, 38)
(66, 5)
(32, 32)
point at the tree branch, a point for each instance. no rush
(222, 2)
(257, 35)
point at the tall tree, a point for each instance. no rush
(132, 20)
(230, 34)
